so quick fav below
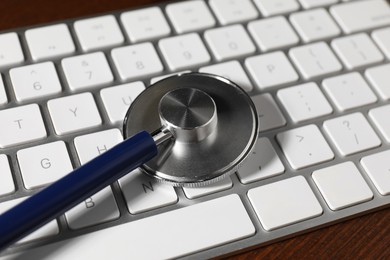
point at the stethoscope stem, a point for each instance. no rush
(77, 186)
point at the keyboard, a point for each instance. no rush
(317, 71)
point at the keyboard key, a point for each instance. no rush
(284, 203)
(331, 182)
(361, 15)
(3, 94)
(273, 33)
(380, 116)
(7, 185)
(304, 102)
(49, 41)
(231, 70)
(304, 146)
(145, 24)
(35, 81)
(261, 164)
(184, 51)
(10, 50)
(272, 7)
(356, 51)
(379, 78)
(44, 164)
(307, 4)
(21, 125)
(99, 208)
(233, 11)
(219, 230)
(117, 99)
(142, 193)
(349, 91)
(229, 42)
(50, 229)
(269, 114)
(196, 192)
(190, 16)
(158, 78)
(91, 145)
(136, 61)
(382, 39)
(351, 134)
(377, 168)
(86, 71)
(314, 60)
(74, 113)
(98, 32)
(314, 25)
(271, 70)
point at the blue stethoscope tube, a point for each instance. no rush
(75, 187)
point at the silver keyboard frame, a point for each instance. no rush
(261, 237)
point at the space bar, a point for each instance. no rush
(168, 235)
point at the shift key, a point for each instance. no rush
(361, 15)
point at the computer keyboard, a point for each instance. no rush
(317, 71)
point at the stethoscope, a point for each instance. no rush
(202, 127)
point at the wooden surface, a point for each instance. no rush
(363, 237)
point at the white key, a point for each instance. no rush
(379, 78)
(349, 91)
(142, 193)
(382, 39)
(74, 113)
(261, 164)
(229, 42)
(35, 81)
(91, 145)
(219, 230)
(273, 33)
(21, 125)
(314, 60)
(98, 32)
(351, 134)
(117, 99)
(158, 78)
(3, 94)
(86, 71)
(49, 41)
(145, 24)
(50, 229)
(7, 185)
(271, 70)
(231, 70)
(304, 102)
(284, 203)
(314, 25)
(190, 16)
(307, 4)
(357, 50)
(184, 51)
(377, 168)
(361, 15)
(43, 164)
(99, 208)
(380, 116)
(233, 11)
(136, 61)
(10, 50)
(342, 185)
(304, 146)
(269, 114)
(196, 192)
(274, 7)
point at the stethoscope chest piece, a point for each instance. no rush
(213, 121)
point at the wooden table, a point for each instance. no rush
(366, 236)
